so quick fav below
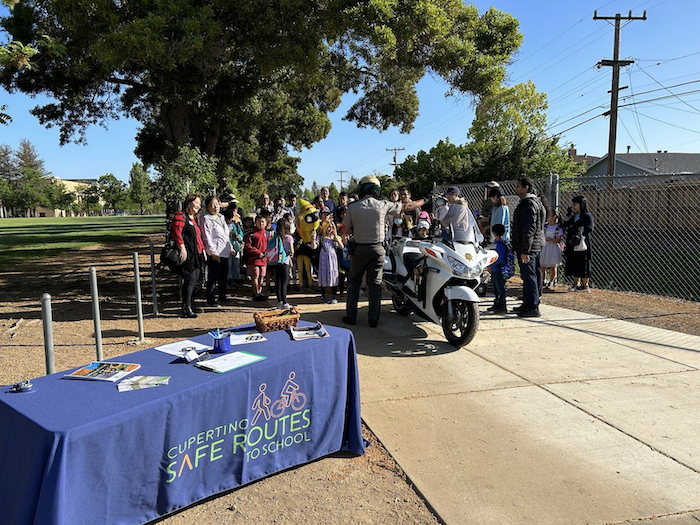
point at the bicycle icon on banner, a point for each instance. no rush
(290, 397)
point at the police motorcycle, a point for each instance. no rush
(436, 278)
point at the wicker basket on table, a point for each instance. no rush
(276, 319)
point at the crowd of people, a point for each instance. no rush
(281, 243)
(331, 246)
(540, 241)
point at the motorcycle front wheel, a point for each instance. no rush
(461, 329)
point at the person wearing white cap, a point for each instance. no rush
(423, 229)
(456, 212)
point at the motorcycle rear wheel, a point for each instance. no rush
(462, 329)
(400, 305)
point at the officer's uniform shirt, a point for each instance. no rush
(367, 217)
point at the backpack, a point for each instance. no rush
(508, 269)
(275, 253)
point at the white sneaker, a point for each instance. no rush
(281, 305)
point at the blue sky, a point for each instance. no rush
(562, 45)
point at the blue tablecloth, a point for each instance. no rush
(76, 451)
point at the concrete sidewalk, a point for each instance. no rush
(566, 419)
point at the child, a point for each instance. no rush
(499, 284)
(284, 226)
(422, 229)
(550, 257)
(328, 259)
(342, 253)
(256, 245)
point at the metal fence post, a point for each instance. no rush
(96, 312)
(137, 283)
(48, 332)
(153, 281)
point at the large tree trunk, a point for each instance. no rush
(185, 124)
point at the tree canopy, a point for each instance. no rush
(508, 140)
(248, 81)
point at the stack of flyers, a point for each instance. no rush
(139, 382)
(316, 331)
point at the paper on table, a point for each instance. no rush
(104, 371)
(139, 382)
(230, 361)
(318, 331)
(246, 336)
(177, 347)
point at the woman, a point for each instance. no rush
(456, 213)
(500, 214)
(578, 227)
(236, 234)
(188, 238)
(389, 220)
(218, 246)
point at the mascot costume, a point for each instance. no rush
(307, 224)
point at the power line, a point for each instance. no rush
(636, 118)
(669, 124)
(667, 89)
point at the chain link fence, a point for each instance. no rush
(647, 233)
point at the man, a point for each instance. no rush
(405, 197)
(365, 220)
(342, 201)
(456, 212)
(326, 199)
(226, 195)
(264, 204)
(527, 240)
(292, 206)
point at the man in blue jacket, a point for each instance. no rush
(527, 240)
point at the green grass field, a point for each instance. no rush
(37, 238)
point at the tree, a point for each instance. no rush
(333, 192)
(246, 82)
(57, 197)
(315, 188)
(508, 140)
(90, 198)
(28, 192)
(445, 163)
(190, 172)
(139, 185)
(308, 195)
(112, 190)
(27, 158)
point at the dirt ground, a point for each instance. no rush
(367, 489)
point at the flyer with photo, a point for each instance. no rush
(104, 371)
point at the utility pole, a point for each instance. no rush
(395, 150)
(616, 64)
(341, 177)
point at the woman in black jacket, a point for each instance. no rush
(578, 229)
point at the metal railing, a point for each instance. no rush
(647, 233)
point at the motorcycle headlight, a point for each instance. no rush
(458, 268)
(462, 270)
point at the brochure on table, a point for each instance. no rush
(104, 371)
(179, 348)
(246, 336)
(230, 361)
(317, 331)
(141, 382)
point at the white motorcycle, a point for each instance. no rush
(436, 278)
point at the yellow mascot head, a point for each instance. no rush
(308, 220)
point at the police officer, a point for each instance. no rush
(365, 219)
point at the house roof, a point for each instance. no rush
(659, 162)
